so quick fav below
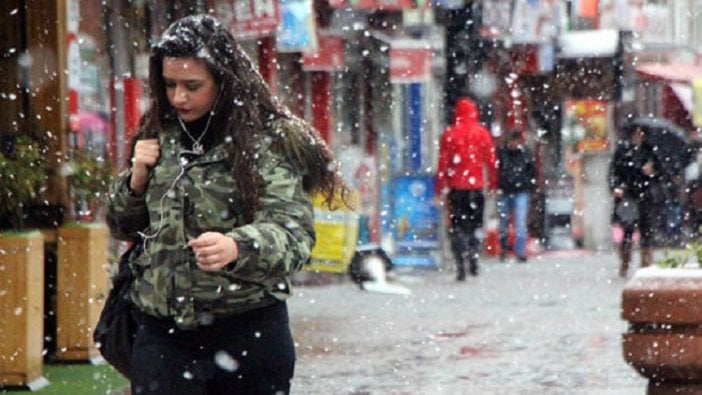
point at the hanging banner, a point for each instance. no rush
(409, 65)
(337, 235)
(586, 125)
(249, 19)
(380, 5)
(329, 55)
(73, 61)
(297, 30)
(588, 8)
(416, 216)
(697, 102)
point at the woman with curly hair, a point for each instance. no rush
(218, 192)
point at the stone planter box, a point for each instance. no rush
(82, 284)
(22, 310)
(664, 339)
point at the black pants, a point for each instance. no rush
(648, 223)
(252, 353)
(466, 214)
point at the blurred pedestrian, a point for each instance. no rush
(517, 179)
(466, 151)
(639, 191)
(218, 192)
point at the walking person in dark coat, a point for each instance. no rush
(517, 179)
(639, 191)
(465, 152)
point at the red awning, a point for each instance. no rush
(678, 72)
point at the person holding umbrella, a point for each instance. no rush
(636, 183)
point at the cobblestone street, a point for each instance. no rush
(551, 326)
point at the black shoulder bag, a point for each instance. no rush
(116, 328)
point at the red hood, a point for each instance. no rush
(466, 112)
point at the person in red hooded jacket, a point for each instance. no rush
(466, 154)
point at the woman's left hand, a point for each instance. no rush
(214, 250)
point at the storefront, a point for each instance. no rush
(405, 144)
(587, 79)
(667, 91)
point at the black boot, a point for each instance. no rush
(624, 259)
(461, 273)
(473, 267)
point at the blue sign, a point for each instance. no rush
(296, 31)
(416, 217)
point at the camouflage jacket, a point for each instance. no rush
(179, 207)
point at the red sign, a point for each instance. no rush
(248, 19)
(409, 65)
(380, 4)
(73, 60)
(328, 57)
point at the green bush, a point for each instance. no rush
(89, 179)
(22, 178)
(91, 175)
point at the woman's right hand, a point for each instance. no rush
(146, 155)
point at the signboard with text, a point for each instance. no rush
(249, 19)
(297, 30)
(586, 123)
(416, 220)
(375, 5)
(697, 102)
(409, 65)
(329, 55)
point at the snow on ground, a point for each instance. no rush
(551, 326)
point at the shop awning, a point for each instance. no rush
(684, 93)
(588, 44)
(680, 79)
(673, 72)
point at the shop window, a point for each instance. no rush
(696, 24)
(649, 98)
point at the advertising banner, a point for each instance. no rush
(329, 55)
(297, 30)
(416, 220)
(586, 125)
(337, 235)
(697, 102)
(379, 5)
(409, 65)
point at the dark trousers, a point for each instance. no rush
(648, 224)
(466, 215)
(252, 353)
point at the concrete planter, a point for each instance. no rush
(81, 289)
(22, 310)
(664, 340)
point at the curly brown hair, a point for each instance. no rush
(244, 112)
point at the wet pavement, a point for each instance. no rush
(550, 326)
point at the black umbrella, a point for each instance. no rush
(668, 142)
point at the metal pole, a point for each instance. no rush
(118, 50)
